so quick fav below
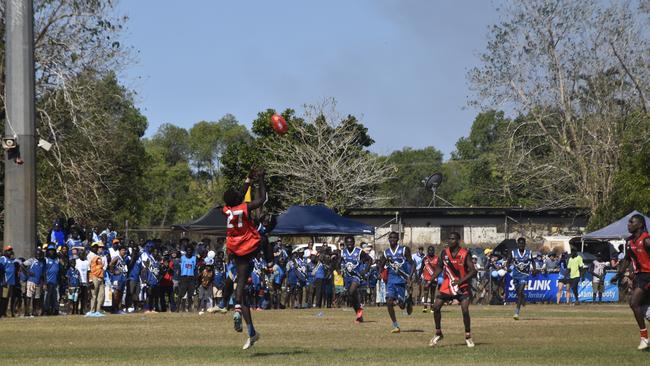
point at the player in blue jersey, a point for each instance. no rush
(353, 266)
(397, 259)
(521, 260)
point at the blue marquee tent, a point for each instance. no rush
(318, 220)
(616, 230)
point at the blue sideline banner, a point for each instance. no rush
(543, 287)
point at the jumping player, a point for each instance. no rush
(397, 259)
(354, 264)
(637, 253)
(456, 262)
(429, 282)
(521, 260)
(243, 242)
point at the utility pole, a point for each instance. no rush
(20, 179)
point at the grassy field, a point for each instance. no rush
(546, 335)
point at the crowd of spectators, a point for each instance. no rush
(86, 271)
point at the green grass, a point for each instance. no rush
(546, 335)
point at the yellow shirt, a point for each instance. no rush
(574, 265)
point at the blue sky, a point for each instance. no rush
(399, 65)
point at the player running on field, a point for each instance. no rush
(397, 259)
(521, 260)
(243, 242)
(429, 282)
(354, 273)
(637, 253)
(456, 264)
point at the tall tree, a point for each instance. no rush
(578, 75)
(76, 51)
(473, 170)
(405, 188)
(325, 162)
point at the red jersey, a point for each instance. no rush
(429, 267)
(453, 269)
(639, 254)
(241, 236)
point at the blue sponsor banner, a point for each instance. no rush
(543, 287)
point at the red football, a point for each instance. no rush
(279, 125)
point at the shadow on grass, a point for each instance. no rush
(279, 353)
(463, 345)
(412, 331)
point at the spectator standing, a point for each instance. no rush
(97, 279)
(74, 281)
(83, 267)
(551, 264)
(167, 284)
(563, 283)
(52, 267)
(57, 236)
(188, 277)
(598, 278)
(575, 266)
(34, 268)
(205, 288)
(110, 234)
(118, 273)
(10, 287)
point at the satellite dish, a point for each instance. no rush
(432, 182)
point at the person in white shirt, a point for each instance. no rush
(83, 266)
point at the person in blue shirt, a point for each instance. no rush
(74, 281)
(295, 272)
(133, 281)
(11, 288)
(277, 277)
(110, 235)
(521, 260)
(398, 260)
(149, 279)
(34, 268)
(187, 282)
(118, 271)
(353, 267)
(219, 278)
(57, 236)
(52, 266)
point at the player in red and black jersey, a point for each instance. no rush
(458, 269)
(429, 283)
(637, 253)
(243, 242)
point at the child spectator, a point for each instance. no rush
(74, 282)
(205, 289)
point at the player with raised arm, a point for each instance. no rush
(458, 269)
(243, 242)
(397, 259)
(637, 253)
(521, 260)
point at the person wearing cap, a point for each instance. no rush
(10, 287)
(97, 279)
(52, 267)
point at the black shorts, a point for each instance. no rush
(463, 294)
(642, 281)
